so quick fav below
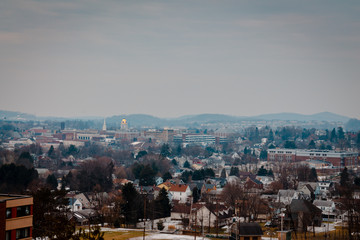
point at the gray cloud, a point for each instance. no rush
(180, 57)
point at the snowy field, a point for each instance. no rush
(155, 235)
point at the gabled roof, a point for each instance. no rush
(209, 186)
(72, 201)
(300, 205)
(181, 208)
(322, 203)
(178, 188)
(286, 193)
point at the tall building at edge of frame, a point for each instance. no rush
(16, 217)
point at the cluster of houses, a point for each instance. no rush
(308, 205)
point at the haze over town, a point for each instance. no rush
(168, 59)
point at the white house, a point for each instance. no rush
(74, 205)
(286, 196)
(180, 192)
(328, 209)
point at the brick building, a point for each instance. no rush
(16, 217)
(338, 159)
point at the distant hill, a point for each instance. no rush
(352, 125)
(144, 120)
(323, 116)
(10, 115)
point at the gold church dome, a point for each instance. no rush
(123, 121)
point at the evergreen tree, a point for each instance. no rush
(289, 145)
(340, 133)
(179, 150)
(208, 172)
(344, 178)
(141, 154)
(52, 181)
(50, 153)
(247, 151)
(271, 136)
(185, 176)
(262, 171)
(50, 219)
(333, 136)
(165, 150)
(166, 176)
(147, 176)
(72, 150)
(25, 159)
(186, 164)
(263, 154)
(234, 171)
(130, 207)
(313, 175)
(162, 204)
(272, 146)
(312, 145)
(174, 162)
(198, 175)
(196, 194)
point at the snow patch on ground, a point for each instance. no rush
(168, 236)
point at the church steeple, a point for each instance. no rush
(104, 125)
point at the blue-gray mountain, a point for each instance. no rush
(143, 120)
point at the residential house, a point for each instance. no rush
(211, 214)
(181, 211)
(301, 184)
(328, 209)
(159, 180)
(84, 217)
(301, 213)
(323, 189)
(84, 200)
(286, 196)
(180, 192)
(206, 188)
(266, 180)
(308, 191)
(253, 183)
(74, 204)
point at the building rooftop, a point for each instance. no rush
(6, 197)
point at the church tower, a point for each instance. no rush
(124, 125)
(104, 125)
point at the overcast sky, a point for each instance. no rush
(173, 58)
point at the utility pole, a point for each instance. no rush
(144, 216)
(195, 225)
(191, 205)
(217, 218)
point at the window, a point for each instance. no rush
(22, 233)
(8, 235)
(255, 238)
(8, 213)
(23, 211)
